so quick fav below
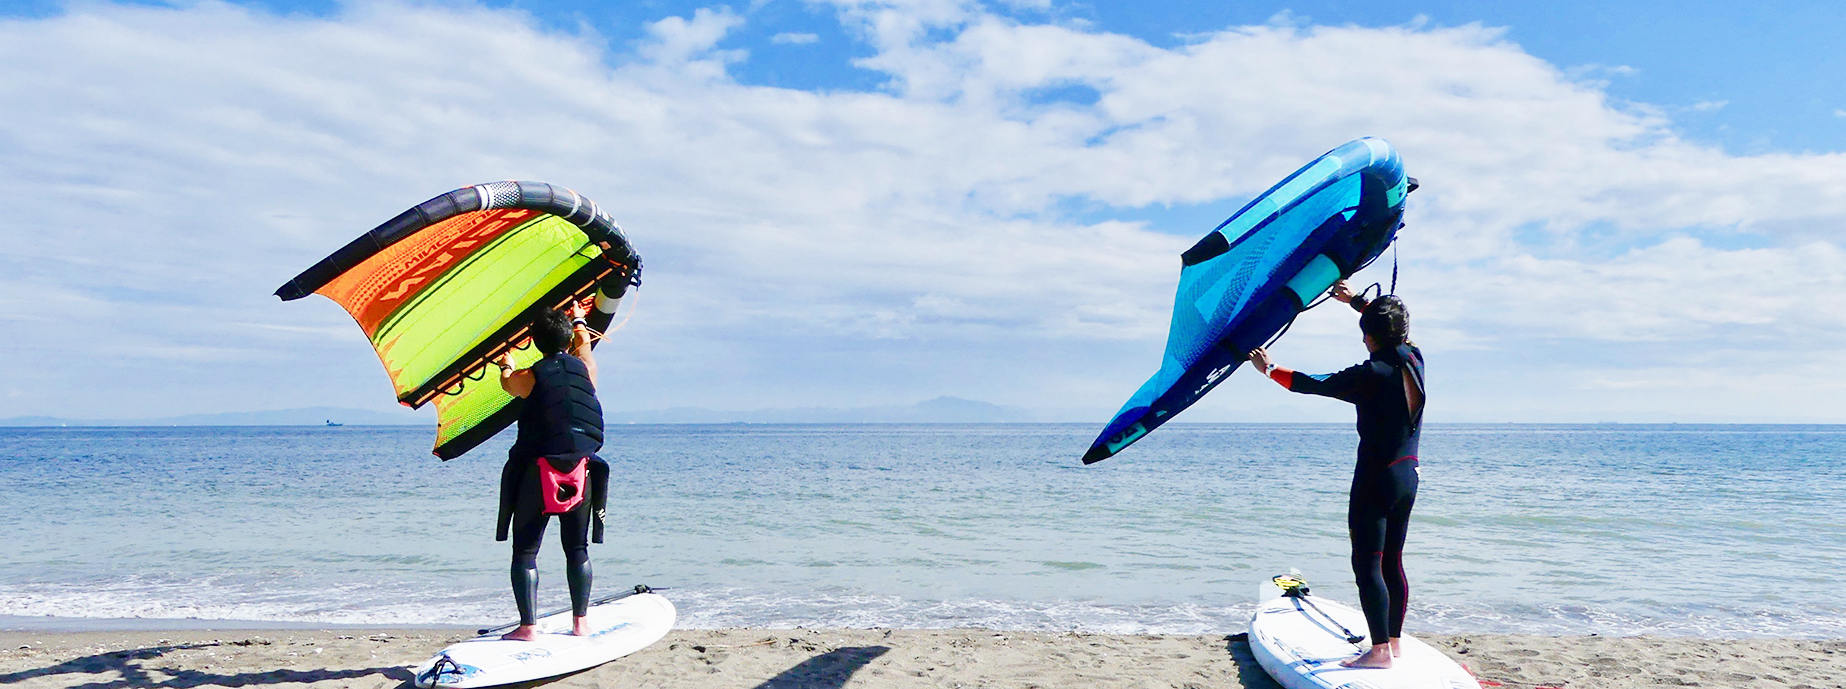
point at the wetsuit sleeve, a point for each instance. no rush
(599, 497)
(510, 476)
(1345, 385)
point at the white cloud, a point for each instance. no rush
(787, 38)
(1598, 74)
(171, 166)
(678, 40)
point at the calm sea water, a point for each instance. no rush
(1691, 530)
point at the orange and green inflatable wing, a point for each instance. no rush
(444, 288)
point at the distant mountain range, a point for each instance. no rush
(938, 410)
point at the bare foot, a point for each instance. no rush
(1396, 648)
(525, 632)
(580, 626)
(1378, 657)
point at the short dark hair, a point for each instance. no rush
(1387, 320)
(551, 331)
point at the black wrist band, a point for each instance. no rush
(580, 322)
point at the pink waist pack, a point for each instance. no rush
(563, 490)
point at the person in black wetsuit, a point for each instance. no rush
(553, 468)
(1387, 390)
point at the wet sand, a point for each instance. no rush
(884, 659)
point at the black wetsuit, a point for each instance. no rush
(1384, 482)
(560, 422)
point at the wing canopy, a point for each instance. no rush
(1247, 279)
(445, 287)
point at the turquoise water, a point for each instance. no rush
(1609, 529)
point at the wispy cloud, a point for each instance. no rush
(786, 38)
(839, 248)
(1598, 75)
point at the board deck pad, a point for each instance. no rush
(618, 628)
(1301, 646)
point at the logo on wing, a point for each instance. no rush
(1211, 379)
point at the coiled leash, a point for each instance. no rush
(1293, 586)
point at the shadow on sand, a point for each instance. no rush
(1249, 672)
(825, 671)
(134, 672)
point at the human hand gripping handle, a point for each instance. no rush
(1342, 292)
(581, 337)
(1259, 358)
(514, 381)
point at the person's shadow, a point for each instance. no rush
(134, 675)
(825, 671)
(1249, 672)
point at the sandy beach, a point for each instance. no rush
(880, 659)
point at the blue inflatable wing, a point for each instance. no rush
(1247, 280)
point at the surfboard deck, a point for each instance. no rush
(618, 628)
(1301, 646)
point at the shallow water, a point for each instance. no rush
(1610, 529)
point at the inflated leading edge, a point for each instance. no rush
(443, 288)
(1247, 280)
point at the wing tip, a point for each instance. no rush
(1096, 454)
(291, 291)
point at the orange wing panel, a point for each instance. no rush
(374, 289)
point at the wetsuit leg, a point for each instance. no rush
(574, 532)
(1366, 524)
(528, 533)
(1378, 517)
(1397, 529)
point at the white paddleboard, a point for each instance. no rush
(1298, 641)
(618, 628)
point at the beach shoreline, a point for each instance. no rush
(749, 658)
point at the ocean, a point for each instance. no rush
(1714, 531)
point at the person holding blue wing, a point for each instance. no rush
(1388, 393)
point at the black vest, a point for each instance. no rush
(561, 418)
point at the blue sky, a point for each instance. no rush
(1628, 209)
(1752, 77)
